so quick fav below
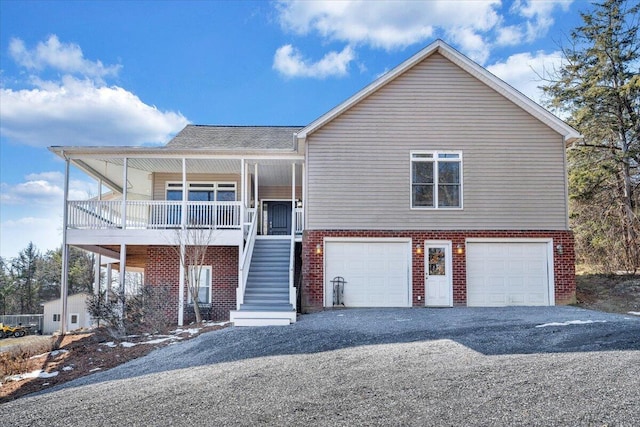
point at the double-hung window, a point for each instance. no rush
(200, 278)
(436, 179)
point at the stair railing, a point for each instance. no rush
(245, 261)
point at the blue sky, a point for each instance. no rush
(136, 72)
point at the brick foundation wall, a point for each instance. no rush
(312, 263)
(163, 270)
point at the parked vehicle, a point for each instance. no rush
(13, 331)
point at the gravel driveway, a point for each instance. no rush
(470, 366)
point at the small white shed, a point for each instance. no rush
(78, 317)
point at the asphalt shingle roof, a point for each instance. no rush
(235, 137)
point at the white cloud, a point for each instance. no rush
(290, 62)
(387, 25)
(509, 36)
(45, 189)
(475, 27)
(32, 210)
(80, 112)
(471, 43)
(79, 108)
(65, 57)
(524, 71)
(539, 15)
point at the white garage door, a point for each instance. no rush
(376, 272)
(507, 273)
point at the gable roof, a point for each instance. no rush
(235, 137)
(467, 65)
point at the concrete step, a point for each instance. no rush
(267, 306)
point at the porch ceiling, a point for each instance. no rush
(272, 172)
(136, 255)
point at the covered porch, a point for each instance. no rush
(153, 198)
(162, 194)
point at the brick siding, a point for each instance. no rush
(163, 270)
(312, 263)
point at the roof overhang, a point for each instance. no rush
(439, 46)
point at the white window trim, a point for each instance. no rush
(204, 267)
(214, 186)
(435, 160)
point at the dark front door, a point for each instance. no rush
(279, 217)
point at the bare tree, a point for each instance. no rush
(191, 246)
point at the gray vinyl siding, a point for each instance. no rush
(358, 165)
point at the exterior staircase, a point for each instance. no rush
(266, 296)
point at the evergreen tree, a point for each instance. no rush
(24, 279)
(598, 85)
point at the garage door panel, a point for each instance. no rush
(377, 273)
(507, 273)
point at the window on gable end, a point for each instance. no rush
(436, 180)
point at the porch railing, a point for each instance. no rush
(153, 214)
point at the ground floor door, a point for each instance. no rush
(74, 321)
(438, 274)
(376, 272)
(509, 273)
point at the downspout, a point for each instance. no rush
(64, 281)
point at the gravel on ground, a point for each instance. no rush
(473, 366)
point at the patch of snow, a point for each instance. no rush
(110, 344)
(128, 344)
(635, 313)
(570, 322)
(95, 369)
(67, 368)
(33, 374)
(51, 353)
(216, 323)
(340, 315)
(159, 340)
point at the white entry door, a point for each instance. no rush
(74, 322)
(438, 274)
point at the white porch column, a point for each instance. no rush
(97, 257)
(293, 198)
(181, 285)
(64, 280)
(185, 195)
(255, 186)
(304, 196)
(243, 194)
(96, 274)
(108, 280)
(183, 223)
(243, 183)
(124, 193)
(121, 276)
